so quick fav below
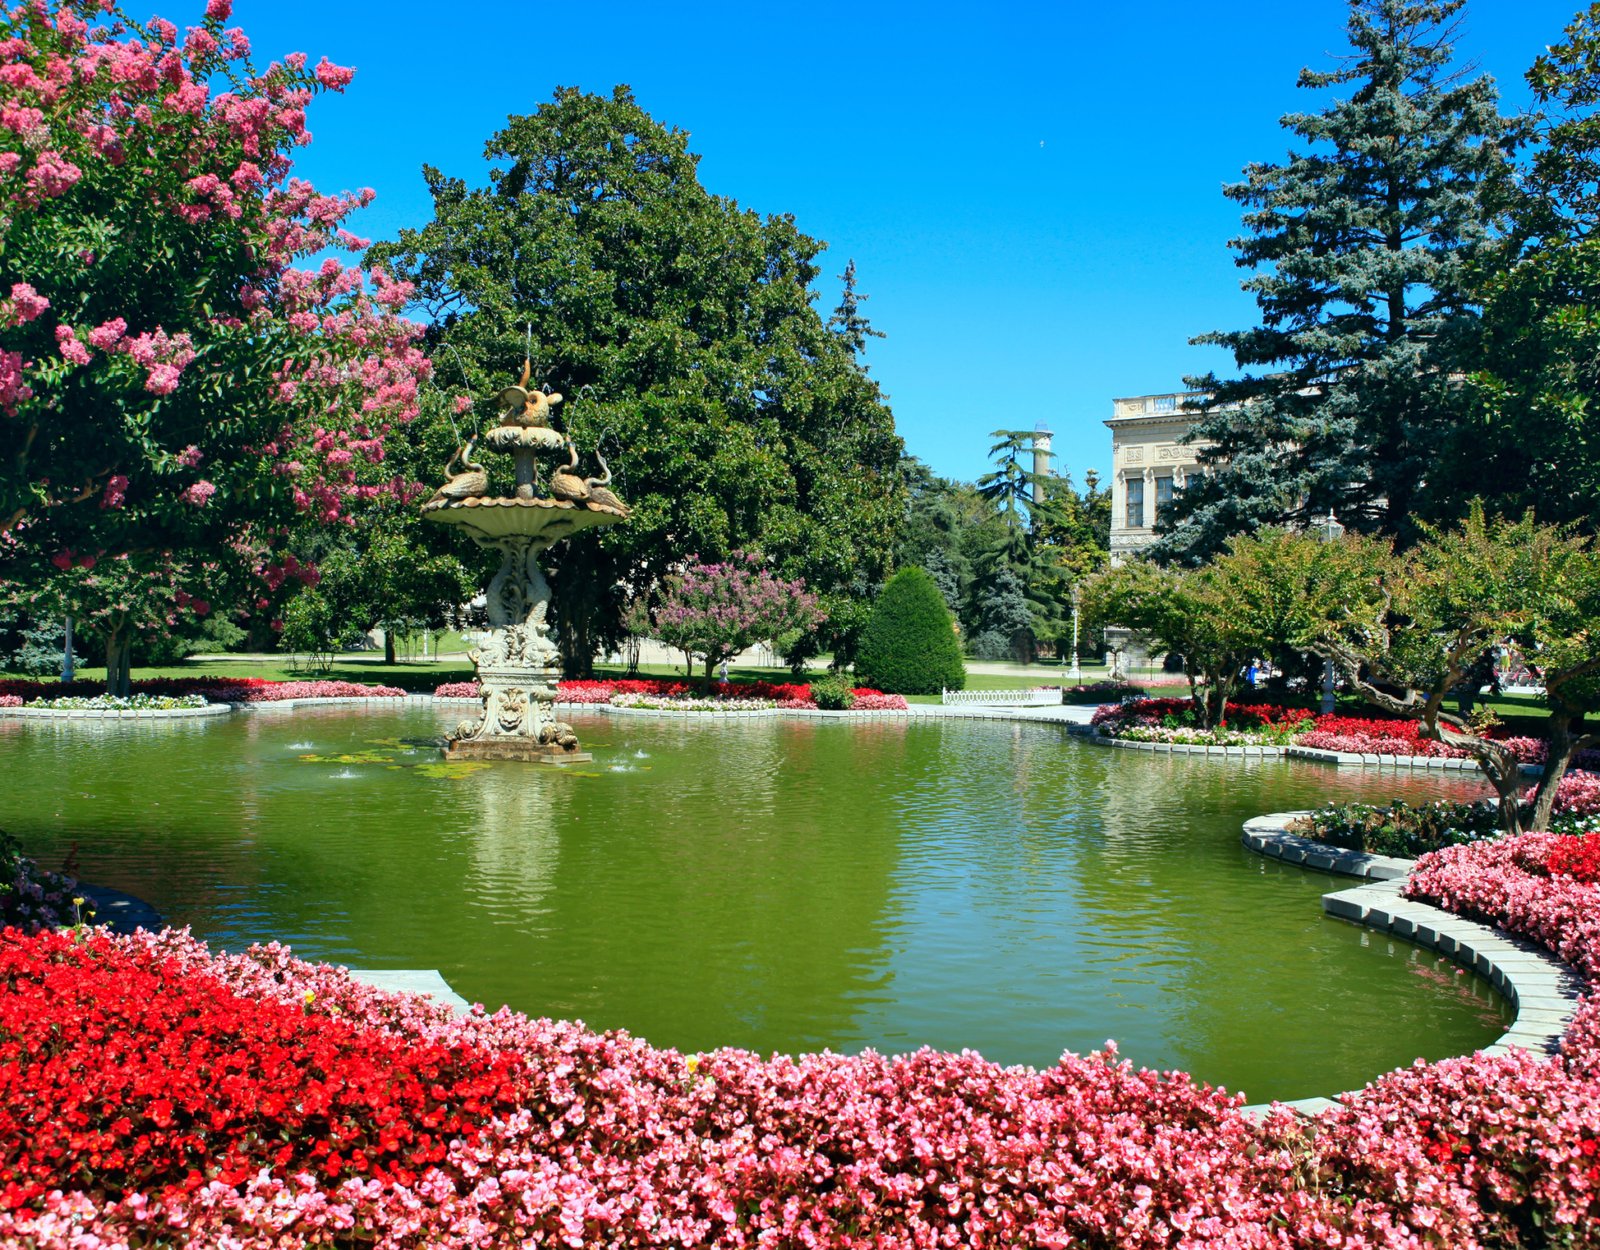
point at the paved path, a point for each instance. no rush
(424, 981)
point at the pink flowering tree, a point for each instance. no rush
(717, 610)
(173, 389)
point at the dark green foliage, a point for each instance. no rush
(389, 572)
(681, 330)
(1360, 244)
(209, 635)
(31, 646)
(1005, 619)
(833, 693)
(908, 645)
(1400, 829)
(944, 528)
(1532, 439)
(311, 628)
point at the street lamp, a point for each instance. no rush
(1329, 531)
(1077, 673)
(66, 653)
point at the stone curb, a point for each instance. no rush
(75, 713)
(1544, 990)
(915, 712)
(1426, 763)
(1347, 759)
(427, 982)
(1268, 835)
(1189, 748)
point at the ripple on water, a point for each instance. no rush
(780, 885)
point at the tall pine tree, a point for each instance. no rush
(1358, 245)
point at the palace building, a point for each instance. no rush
(1149, 463)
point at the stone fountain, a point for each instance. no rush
(518, 664)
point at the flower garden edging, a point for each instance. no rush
(1269, 835)
(1543, 989)
(148, 713)
(1191, 748)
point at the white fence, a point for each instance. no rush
(1001, 698)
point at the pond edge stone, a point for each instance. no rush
(1544, 990)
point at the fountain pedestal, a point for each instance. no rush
(517, 661)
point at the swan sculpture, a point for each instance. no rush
(565, 483)
(598, 494)
(470, 482)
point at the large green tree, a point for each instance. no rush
(1532, 439)
(1263, 593)
(1358, 245)
(682, 330)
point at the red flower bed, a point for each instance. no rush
(151, 1091)
(148, 1088)
(1576, 857)
(106, 1071)
(783, 694)
(1150, 713)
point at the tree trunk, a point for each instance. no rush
(1501, 768)
(388, 645)
(1563, 746)
(118, 673)
(1214, 703)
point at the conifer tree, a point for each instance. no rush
(1358, 245)
(849, 322)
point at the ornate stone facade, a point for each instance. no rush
(1149, 464)
(518, 662)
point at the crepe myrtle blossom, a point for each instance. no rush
(193, 143)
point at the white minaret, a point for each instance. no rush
(1041, 459)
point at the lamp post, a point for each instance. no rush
(1329, 531)
(66, 653)
(1077, 673)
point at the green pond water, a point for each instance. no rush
(773, 884)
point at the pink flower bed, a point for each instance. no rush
(10, 700)
(1578, 794)
(618, 1143)
(278, 691)
(458, 690)
(586, 1138)
(1508, 883)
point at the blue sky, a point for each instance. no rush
(1032, 193)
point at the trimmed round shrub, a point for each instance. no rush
(908, 646)
(833, 693)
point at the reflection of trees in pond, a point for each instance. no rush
(744, 903)
(1227, 1003)
(132, 797)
